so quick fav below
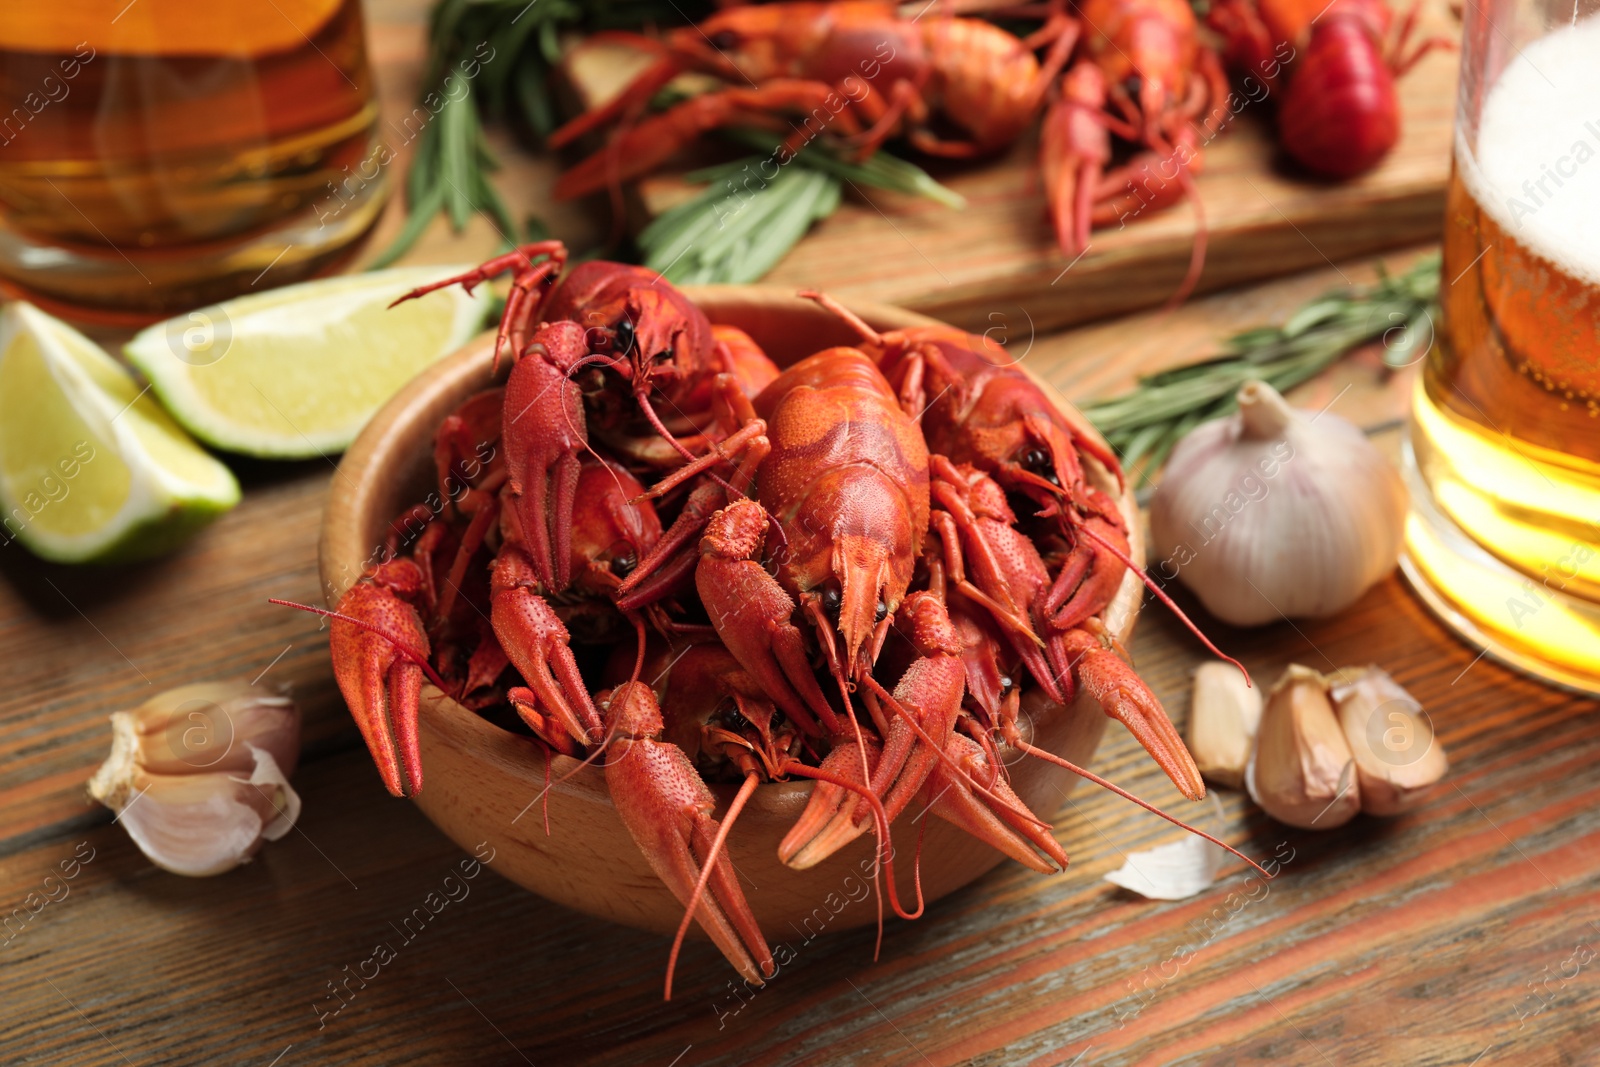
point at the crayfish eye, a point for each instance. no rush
(622, 337)
(1037, 461)
(723, 40)
(1132, 84)
(831, 601)
(623, 565)
(880, 611)
(1005, 684)
(728, 712)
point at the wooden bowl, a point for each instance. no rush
(480, 783)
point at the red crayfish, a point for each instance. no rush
(1336, 65)
(836, 585)
(953, 87)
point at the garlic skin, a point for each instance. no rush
(204, 824)
(1270, 513)
(1302, 771)
(1224, 714)
(1398, 758)
(199, 775)
(205, 727)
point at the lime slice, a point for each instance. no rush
(296, 372)
(91, 468)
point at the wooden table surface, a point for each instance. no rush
(1464, 933)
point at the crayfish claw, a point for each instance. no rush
(836, 814)
(667, 808)
(1124, 696)
(996, 820)
(536, 642)
(376, 664)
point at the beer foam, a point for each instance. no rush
(1536, 169)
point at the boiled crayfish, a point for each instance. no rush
(1336, 63)
(836, 585)
(860, 73)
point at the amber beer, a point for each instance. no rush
(158, 154)
(1505, 443)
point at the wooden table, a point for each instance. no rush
(1464, 933)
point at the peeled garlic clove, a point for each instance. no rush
(206, 727)
(1302, 771)
(1270, 513)
(1397, 756)
(200, 824)
(1223, 717)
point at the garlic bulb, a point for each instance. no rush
(1270, 513)
(1397, 757)
(1302, 771)
(1223, 718)
(199, 775)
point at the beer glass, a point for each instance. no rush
(163, 154)
(1503, 457)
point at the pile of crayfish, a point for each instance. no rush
(662, 551)
(1142, 72)
(955, 87)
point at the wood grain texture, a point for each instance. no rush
(1464, 927)
(1461, 934)
(1263, 218)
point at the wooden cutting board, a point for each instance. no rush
(1262, 219)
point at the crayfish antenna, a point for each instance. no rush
(944, 757)
(399, 646)
(851, 319)
(885, 842)
(1082, 772)
(746, 791)
(1165, 599)
(1197, 255)
(678, 446)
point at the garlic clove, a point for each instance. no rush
(200, 824)
(273, 783)
(198, 775)
(1223, 716)
(1302, 771)
(1269, 513)
(208, 727)
(1398, 759)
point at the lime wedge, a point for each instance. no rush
(91, 468)
(296, 372)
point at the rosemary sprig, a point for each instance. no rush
(743, 223)
(492, 60)
(1145, 423)
(510, 48)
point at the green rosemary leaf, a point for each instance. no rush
(1415, 339)
(1133, 448)
(883, 170)
(422, 212)
(816, 197)
(733, 234)
(503, 53)
(1145, 423)
(1314, 314)
(457, 161)
(744, 222)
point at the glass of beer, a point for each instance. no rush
(1504, 453)
(158, 155)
